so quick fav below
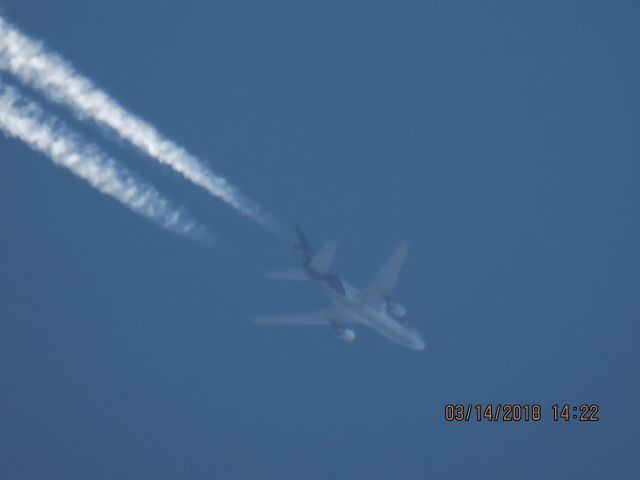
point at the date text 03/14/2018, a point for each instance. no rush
(519, 412)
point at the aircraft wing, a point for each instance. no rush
(316, 318)
(383, 283)
(289, 274)
(321, 262)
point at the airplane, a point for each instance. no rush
(373, 306)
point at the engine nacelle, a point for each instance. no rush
(396, 309)
(347, 335)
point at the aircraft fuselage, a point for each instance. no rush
(352, 310)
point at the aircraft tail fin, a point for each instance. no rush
(302, 245)
(321, 262)
(296, 274)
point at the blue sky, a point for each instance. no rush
(500, 140)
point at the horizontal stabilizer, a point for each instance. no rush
(296, 274)
(321, 262)
(317, 318)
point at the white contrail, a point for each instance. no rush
(33, 65)
(23, 119)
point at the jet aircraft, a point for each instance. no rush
(373, 306)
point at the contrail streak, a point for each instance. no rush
(47, 72)
(23, 119)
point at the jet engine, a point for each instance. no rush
(396, 309)
(347, 335)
